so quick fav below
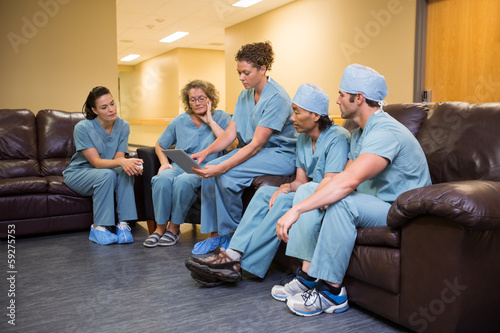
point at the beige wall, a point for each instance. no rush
(55, 51)
(149, 91)
(314, 40)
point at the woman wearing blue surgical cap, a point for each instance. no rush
(99, 168)
(267, 146)
(322, 149)
(175, 191)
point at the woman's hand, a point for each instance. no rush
(207, 117)
(165, 167)
(285, 223)
(285, 188)
(209, 171)
(132, 166)
(199, 156)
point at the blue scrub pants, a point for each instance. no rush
(326, 239)
(221, 206)
(102, 185)
(174, 192)
(256, 236)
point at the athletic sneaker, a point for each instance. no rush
(102, 236)
(218, 265)
(123, 233)
(296, 285)
(317, 300)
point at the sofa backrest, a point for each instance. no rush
(411, 115)
(18, 144)
(55, 139)
(461, 141)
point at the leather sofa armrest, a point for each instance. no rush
(150, 169)
(472, 204)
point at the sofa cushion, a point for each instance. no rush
(23, 185)
(461, 140)
(18, 144)
(55, 139)
(411, 115)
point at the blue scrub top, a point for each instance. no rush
(273, 111)
(90, 134)
(386, 137)
(330, 153)
(185, 135)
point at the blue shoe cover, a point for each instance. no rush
(206, 246)
(102, 236)
(123, 233)
(225, 240)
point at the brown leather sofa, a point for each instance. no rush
(34, 150)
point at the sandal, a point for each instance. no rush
(169, 239)
(152, 240)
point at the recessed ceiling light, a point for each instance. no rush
(246, 3)
(173, 37)
(130, 57)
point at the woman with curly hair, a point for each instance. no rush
(175, 191)
(266, 136)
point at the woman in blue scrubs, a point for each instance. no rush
(99, 168)
(261, 123)
(175, 191)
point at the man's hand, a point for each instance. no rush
(285, 223)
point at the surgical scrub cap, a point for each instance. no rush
(312, 98)
(362, 79)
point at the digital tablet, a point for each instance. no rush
(182, 159)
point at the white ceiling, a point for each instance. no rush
(142, 23)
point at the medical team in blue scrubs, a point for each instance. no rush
(322, 150)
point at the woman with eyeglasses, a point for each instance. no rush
(261, 123)
(175, 191)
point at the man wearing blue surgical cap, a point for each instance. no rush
(321, 152)
(385, 160)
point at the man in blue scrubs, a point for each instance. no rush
(385, 160)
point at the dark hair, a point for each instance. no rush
(324, 122)
(370, 102)
(258, 54)
(94, 94)
(207, 87)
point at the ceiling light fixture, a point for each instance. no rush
(130, 57)
(246, 3)
(173, 37)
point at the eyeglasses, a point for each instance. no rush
(200, 99)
